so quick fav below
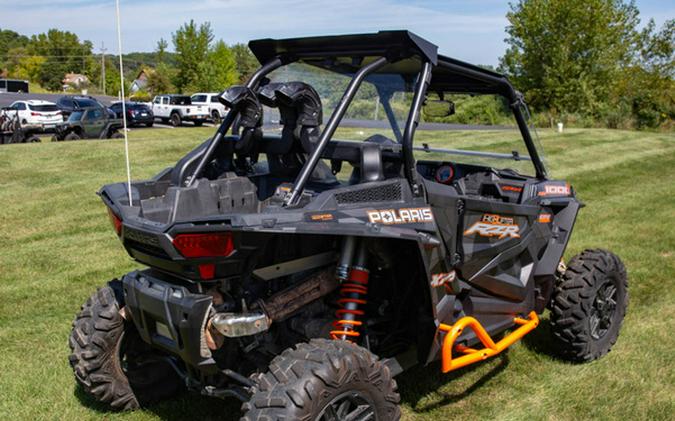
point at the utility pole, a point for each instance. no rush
(103, 50)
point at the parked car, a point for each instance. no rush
(69, 103)
(178, 108)
(137, 113)
(36, 114)
(210, 100)
(89, 123)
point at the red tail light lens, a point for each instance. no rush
(116, 222)
(204, 245)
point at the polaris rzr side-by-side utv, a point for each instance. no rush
(300, 273)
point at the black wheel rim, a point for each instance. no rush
(602, 313)
(349, 406)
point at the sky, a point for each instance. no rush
(470, 30)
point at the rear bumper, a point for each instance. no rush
(170, 317)
(195, 116)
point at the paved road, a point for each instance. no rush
(6, 99)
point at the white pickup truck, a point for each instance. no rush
(210, 100)
(178, 108)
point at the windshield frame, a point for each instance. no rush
(424, 79)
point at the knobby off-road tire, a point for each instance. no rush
(588, 306)
(72, 136)
(111, 361)
(324, 380)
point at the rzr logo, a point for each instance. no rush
(494, 226)
(400, 216)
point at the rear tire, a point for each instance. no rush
(72, 136)
(215, 116)
(117, 135)
(323, 379)
(176, 121)
(588, 305)
(33, 139)
(111, 361)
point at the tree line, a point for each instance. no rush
(199, 63)
(581, 62)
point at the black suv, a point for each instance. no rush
(137, 113)
(69, 103)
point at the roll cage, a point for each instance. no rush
(369, 57)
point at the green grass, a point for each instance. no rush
(57, 246)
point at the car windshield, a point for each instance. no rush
(139, 107)
(75, 116)
(86, 102)
(44, 108)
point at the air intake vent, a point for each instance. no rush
(381, 193)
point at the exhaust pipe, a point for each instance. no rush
(276, 308)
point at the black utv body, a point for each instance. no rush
(302, 294)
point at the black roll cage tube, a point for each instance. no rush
(252, 83)
(328, 131)
(424, 79)
(411, 125)
(516, 103)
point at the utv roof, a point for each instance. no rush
(347, 53)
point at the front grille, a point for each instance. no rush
(381, 193)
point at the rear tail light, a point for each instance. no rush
(35, 114)
(204, 245)
(116, 222)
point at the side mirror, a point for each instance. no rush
(438, 108)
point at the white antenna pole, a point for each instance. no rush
(124, 108)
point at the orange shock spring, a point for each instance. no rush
(353, 294)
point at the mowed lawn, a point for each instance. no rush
(57, 246)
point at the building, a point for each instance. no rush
(141, 81)
(74, 80)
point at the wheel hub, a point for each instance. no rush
(352, 406)
(602, 313)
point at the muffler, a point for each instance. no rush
(276, 308)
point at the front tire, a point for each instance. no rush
(324, 380)
(588, 305)
(111, 361)
(72, 136)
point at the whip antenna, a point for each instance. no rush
(124, 108)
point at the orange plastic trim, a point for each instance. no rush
(490, 347)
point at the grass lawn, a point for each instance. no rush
(57, 246)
